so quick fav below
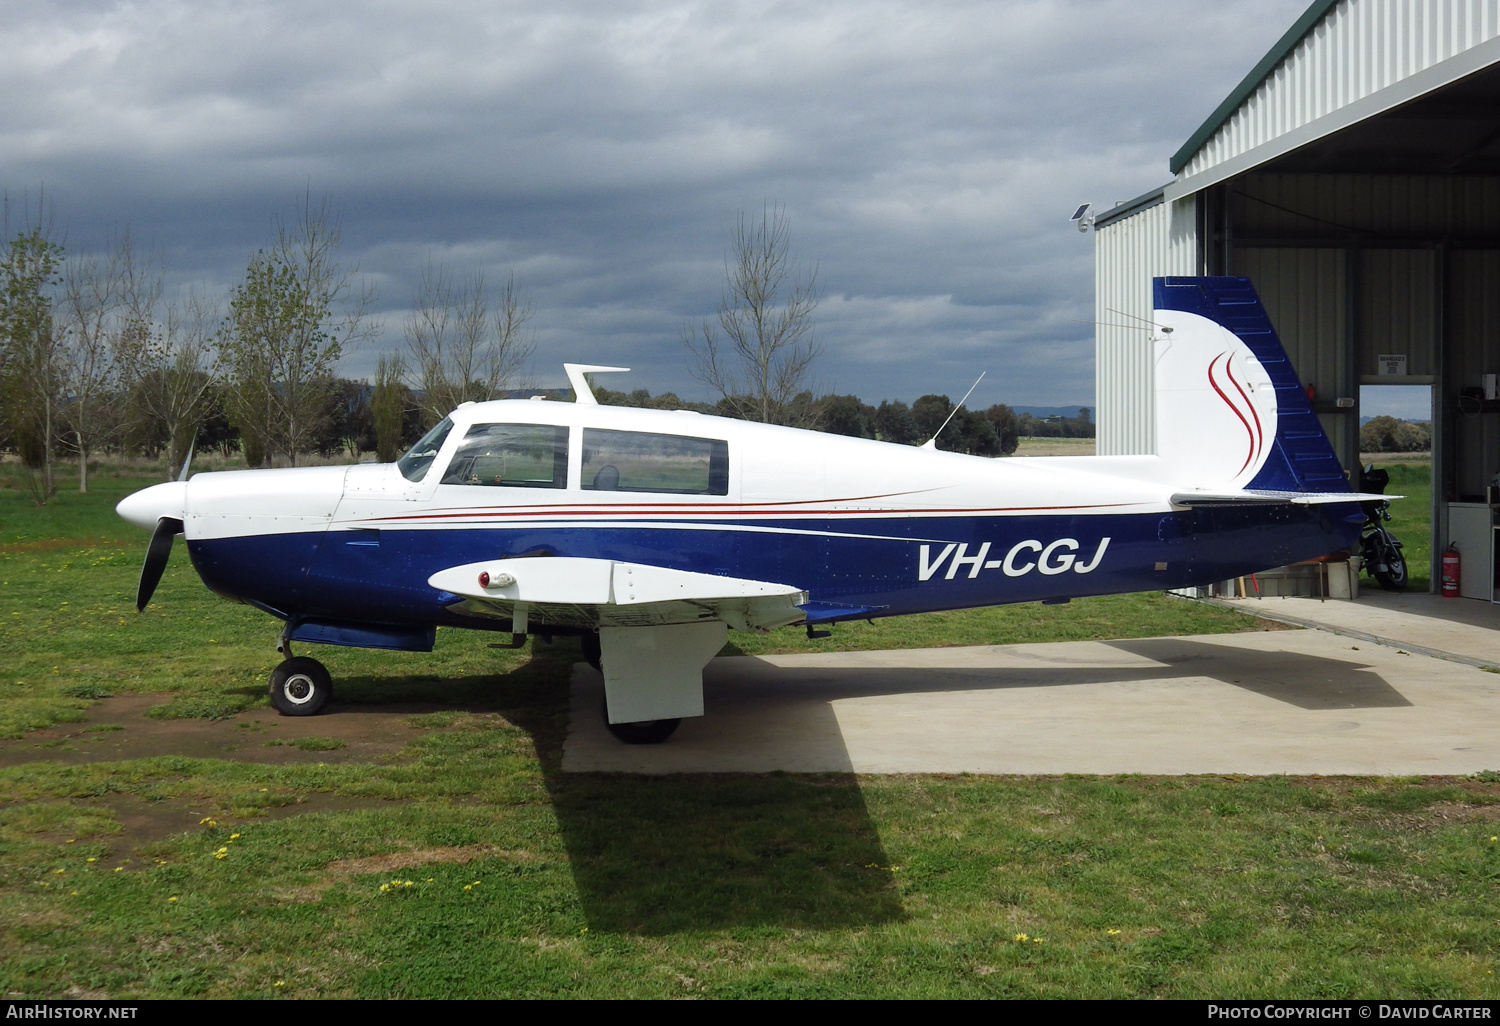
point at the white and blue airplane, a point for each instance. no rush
(652, 533)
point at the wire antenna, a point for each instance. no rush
(931, 443)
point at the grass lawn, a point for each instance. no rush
(461, 862)
(1411, 518)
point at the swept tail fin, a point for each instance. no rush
(1232, 417)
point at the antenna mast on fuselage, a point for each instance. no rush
(931, 443)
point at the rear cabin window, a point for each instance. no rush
(511, 456)
(637, 461)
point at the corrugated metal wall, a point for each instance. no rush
(1128, 253)
(1397, 312)
(1472, 328)
(1359, 48)
(1306, 295)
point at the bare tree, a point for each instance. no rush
(464, 343)
(170, 370)
(758, 354)
(29, 365)
(105, 323)
(295, 314)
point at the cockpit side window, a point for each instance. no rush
(415, 463)
(638, 461)
(511, 455)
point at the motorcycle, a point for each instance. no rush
(1380, 548)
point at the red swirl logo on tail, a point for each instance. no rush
(1239, 404)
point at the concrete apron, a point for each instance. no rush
(1292, 702)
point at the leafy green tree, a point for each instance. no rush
(846, 415)
(1378, 434)
(894, 423)
(290, 320)
(389, 404)
(1007, 427)
(978, 434)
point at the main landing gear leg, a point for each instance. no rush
(299, 686)
(653, 676)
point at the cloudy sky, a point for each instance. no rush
(927, 156)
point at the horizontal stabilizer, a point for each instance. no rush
(1265, 497)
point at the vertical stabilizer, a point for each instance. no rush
(1231, 412)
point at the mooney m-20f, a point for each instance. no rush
(652, 533)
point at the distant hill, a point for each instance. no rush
(1041, 412)
(1365, 420)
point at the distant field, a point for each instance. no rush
(422, 841)
(1387, 458)
(1055, 447)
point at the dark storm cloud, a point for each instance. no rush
(927, 156)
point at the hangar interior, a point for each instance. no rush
(1374, 241)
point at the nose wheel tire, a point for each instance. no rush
(300, 687)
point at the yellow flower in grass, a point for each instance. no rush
(1021, 938)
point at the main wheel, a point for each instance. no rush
(646, 732)
(300, 687)
(641, 732)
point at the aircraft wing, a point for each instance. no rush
(1265, 497)
(582, 592)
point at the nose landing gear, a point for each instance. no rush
(300, 687)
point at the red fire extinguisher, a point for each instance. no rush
(1451, 571)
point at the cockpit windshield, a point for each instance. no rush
(415, 463)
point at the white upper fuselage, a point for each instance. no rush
(774, 473)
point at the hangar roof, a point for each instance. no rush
(1360, 85)
(1241, 93)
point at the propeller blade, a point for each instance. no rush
(189, 461)
(157, 552)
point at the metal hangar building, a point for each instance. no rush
(1354, 177)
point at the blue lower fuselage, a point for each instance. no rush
(885, 566)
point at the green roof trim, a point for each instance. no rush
(1273, 57)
